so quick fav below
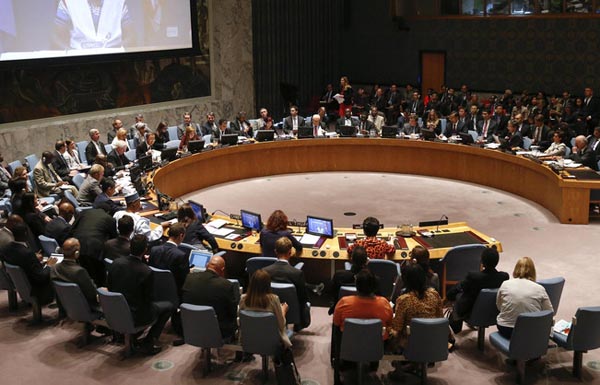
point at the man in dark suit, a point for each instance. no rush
(70, 271)
(169, 256)
(103, 201)
(540, 133)
(187, 121)
(465, 293)
(521, 126)
(582, 154)
(209, 126)
(210, 288)
(346, 120)
(195, 232)
(93, 227)
(119, 246)
(415, 105)
(594, 142)
(501, 121)
(473, 118)
(591, 109)
(59, 227)
(454, 126)
(131, 277)
(379, 100)
(513, 139)
(117, 157)
(365, 125)
(94, 147)
(486, 127)
(282, 272)
(241, 125)
(221, 130)
(59, 163)
(18, 253)
(292, 122)
(145, 148)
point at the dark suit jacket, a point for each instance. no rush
(585, 157)
(169, 257)
(141, 150)
(58, 229)
(236, 126)
(525, 130)
(91, 151)
(460, 127)
(472, 285)
(417, 108)
(268, 238)
(118, 161)
(38, 275)
(491, 129)
(131, 277)
(514, 140)
(196, 234)
(501, 123)
(217, 133)
(208, 289)
(289, 126)
(206, 129)
(116, 248)
(70, 271)
(92, 228)
(368, 126)
(60, 165)
(283, 272)
(341, 122)
(103, 200)
(592, 109)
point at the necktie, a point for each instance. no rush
(454, 129)
(485, 128)
(315, 131)
(595, 144)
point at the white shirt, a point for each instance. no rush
(141, 226)
(517, 296)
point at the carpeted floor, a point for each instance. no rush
(49, 354)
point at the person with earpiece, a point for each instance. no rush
(46, 180)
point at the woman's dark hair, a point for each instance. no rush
(366, 283)
(258, 290)
(278, 221)
(421, 256)
(17, 185)
(359, 259)
(370, 226)
(28, 203)
(414, 279)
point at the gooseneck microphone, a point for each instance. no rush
(437, 229)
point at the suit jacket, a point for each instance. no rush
(460, 127)
(501, 123)
(91, 151)
(207, 129)
(416, 107)
(141, 150)
(472, 285)
(407, 129)
(92, 228)
(283, 272)
(544, 137)
(472, 125)
(367, 126)
(131, 277)
(239, 128)
(117, 161)
(490, 131)
(103, 201)
(70, 271)
(89, 190)
(525, 130)
(216, 134)
(169, 257)
(594, 142)
(181, 129)
(196, 233)
(116, 248)
(60, 165)
(592, 109)
(342, 122)
(39, 276)
(585, 157)
(208, 289)
(379, 102)
(45, 179)
(379, 121)
(288, 124)
(58, 229)
(514, 140)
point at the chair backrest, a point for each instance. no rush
(554, 287)
(186, 247)
(387, 271)
(21, 282)
(200, 326)
(361, 340)
(172, 130)
(428, 340)
(74, 302)
(236, 289)
(474, 135)
(484, 310)
(460, 260)
(71, 198)
(5, 281)
(257, 263)
(346, 290)
(132, 144)
(530, 335)
(130, 154)
(259, 332)
(526, 142)
(173, 143)
(116, 311)
(108, 148)
(14, 164)
(32, 160)
(49, 245)
(287, 293)
(81, 149)
(78, 180)
(585, 331)
(165, 288)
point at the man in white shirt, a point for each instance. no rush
(376, 119)
(141, 225)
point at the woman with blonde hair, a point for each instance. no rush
(520, 295)
(121, 135)
(190, 134)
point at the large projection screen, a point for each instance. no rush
(35, 29)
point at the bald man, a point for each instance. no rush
(70, 271)
(582, 154)
(210, 288)
(60, 227)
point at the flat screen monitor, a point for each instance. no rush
(229, 139)
(200, 258)
(389, 131)
(168, 154)
(319, 226)
(195, 146)
(347, 131)
(135, 172)
(251, 220)
(145, 162)
(428, 134)
(305, 132)
(198, 210)
(466, 138)
(264, 135)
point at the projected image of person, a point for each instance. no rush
(92, 24)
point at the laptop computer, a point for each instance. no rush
(264, 135)
(347, 131)
(305, 132)
(145, 162)
(168, 154)
(466, 138)
(389, 131)
(199, 259)
(229, 139)
(428, 134)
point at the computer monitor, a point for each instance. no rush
(199, 258)
(347, 131)
(145, 162)
(427, 134)
(305, 132)
(264, 135)
(195, 146)
(198, 210)
(251, 220)
(229, 139)
(389, 131)
(135, 172)
(168, 154)
(319, 226)
(466, 138)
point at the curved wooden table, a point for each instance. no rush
(567, 199)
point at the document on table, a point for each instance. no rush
(309, 239)
(222, 232)
(217, 223)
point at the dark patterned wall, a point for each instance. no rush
(488, 54)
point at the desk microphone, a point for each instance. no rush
(437, 229)
(299, 228)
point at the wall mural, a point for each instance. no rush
(39, 92)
